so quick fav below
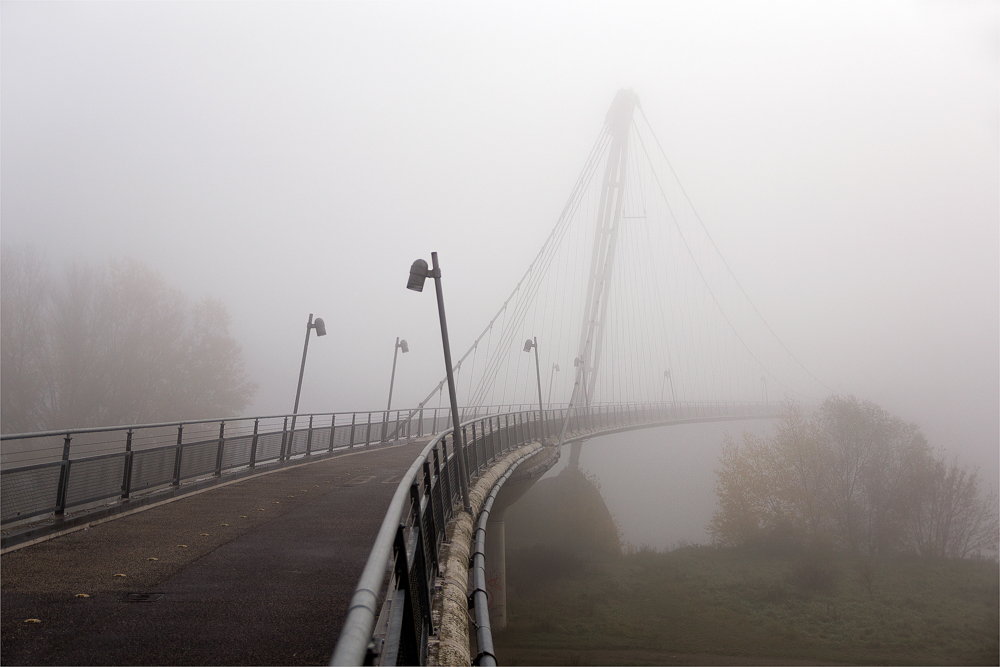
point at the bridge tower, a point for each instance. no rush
(617, 124)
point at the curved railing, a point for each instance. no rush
(408, 545)
(50, 472)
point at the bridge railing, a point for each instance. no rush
(408, 545)
(50, 472)
(389, 622)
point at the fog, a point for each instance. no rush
(296, 158)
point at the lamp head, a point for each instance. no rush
(403, 346)
(666, 373)
(320, 326)
(418, 273)
(528, 345)
(555, 367)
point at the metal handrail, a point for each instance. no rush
(37, 479)
(412, 531)
(498, 408)
(405, 538)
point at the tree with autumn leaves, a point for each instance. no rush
(855, 477)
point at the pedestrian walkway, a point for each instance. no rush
(254, 573)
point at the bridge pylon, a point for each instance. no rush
(617, 124)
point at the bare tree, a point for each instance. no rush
(24, 292)
(119, 346)
(953, 517)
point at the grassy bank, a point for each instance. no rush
(701, 605)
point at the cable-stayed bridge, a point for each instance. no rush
(628, 317)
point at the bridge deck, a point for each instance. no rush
(268, 568)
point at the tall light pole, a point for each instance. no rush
(320, 326)
(666, 377)
(400, 345)
(418, 273)
(763, 381)
(552, 374)
(528, 344)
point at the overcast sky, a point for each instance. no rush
(295, 158)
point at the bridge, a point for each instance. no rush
(363, 537)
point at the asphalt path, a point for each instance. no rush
(254, 573)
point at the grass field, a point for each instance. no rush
(701, 605)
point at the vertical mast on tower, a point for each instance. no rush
(617, 124)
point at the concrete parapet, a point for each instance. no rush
(451, 603)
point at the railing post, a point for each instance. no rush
(368, 432)
(222, 445)
(63, 477)
(420, 424)
(127, 474)
(350, 440)
(333, 429)
(177, 457)
(446, 474)
(253, 445)
(468, 468)
(284, 439)
(506, 432)
(309, 438)
(433, 523)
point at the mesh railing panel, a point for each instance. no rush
(95, 479)
(199, 458)
(321, 439)
(27, 492)
(342, 435)
(299, 441)
(237, 452)
(152, 467)
(268, 446)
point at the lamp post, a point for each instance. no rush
(552, 374)
(666, 377)
(418, 273)
(400, 345)
(320, 326)
(528, 344)
(763, 381)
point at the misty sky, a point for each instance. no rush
(295, 158)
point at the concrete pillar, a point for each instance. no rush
(496, 573)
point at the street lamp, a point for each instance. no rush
(666, 377)
(320, 326)
(552, 374)
(400, 345)
(418, 273)
(528, 344)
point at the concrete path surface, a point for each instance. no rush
(254, 573)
